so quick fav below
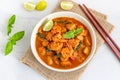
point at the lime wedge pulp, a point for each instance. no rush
(41, 5)
(29, 6)
(47, 26)
(66, 5)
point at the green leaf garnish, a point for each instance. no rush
(41, 36)
(17, 36)
(72, 33)
(63, 21)
(78, 31)
(11, 21)
(80, 43)
(58, 55)
(69, 34)
(13, 42)
(8, 48)
(9, 29)
(47, 49)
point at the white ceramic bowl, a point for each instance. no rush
(63, 14)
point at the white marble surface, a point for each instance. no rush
(104, 65)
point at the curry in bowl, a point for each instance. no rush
(67, 45)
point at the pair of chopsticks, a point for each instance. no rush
(111, 43)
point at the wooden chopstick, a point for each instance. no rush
(103, 29)
(114, 47)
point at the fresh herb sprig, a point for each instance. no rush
(11, 21)
(72, 33)
(41, 36)
(77, 47)
(48, 50)
(63, 22)
(12, 40)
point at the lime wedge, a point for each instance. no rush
(29, 6)
(65, 5)
(47, 26)
(41, 5)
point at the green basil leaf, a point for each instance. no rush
(9, 30)
(47, 49)
(69, 34)
(13, 42)
(41, 36)
(17, 36)
(58, 55)
(12, 20)
(8, 48)
(78, 31)
(72, 33)
(80, 43)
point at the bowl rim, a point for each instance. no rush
(52, 15)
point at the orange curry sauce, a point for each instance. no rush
(59, 52)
